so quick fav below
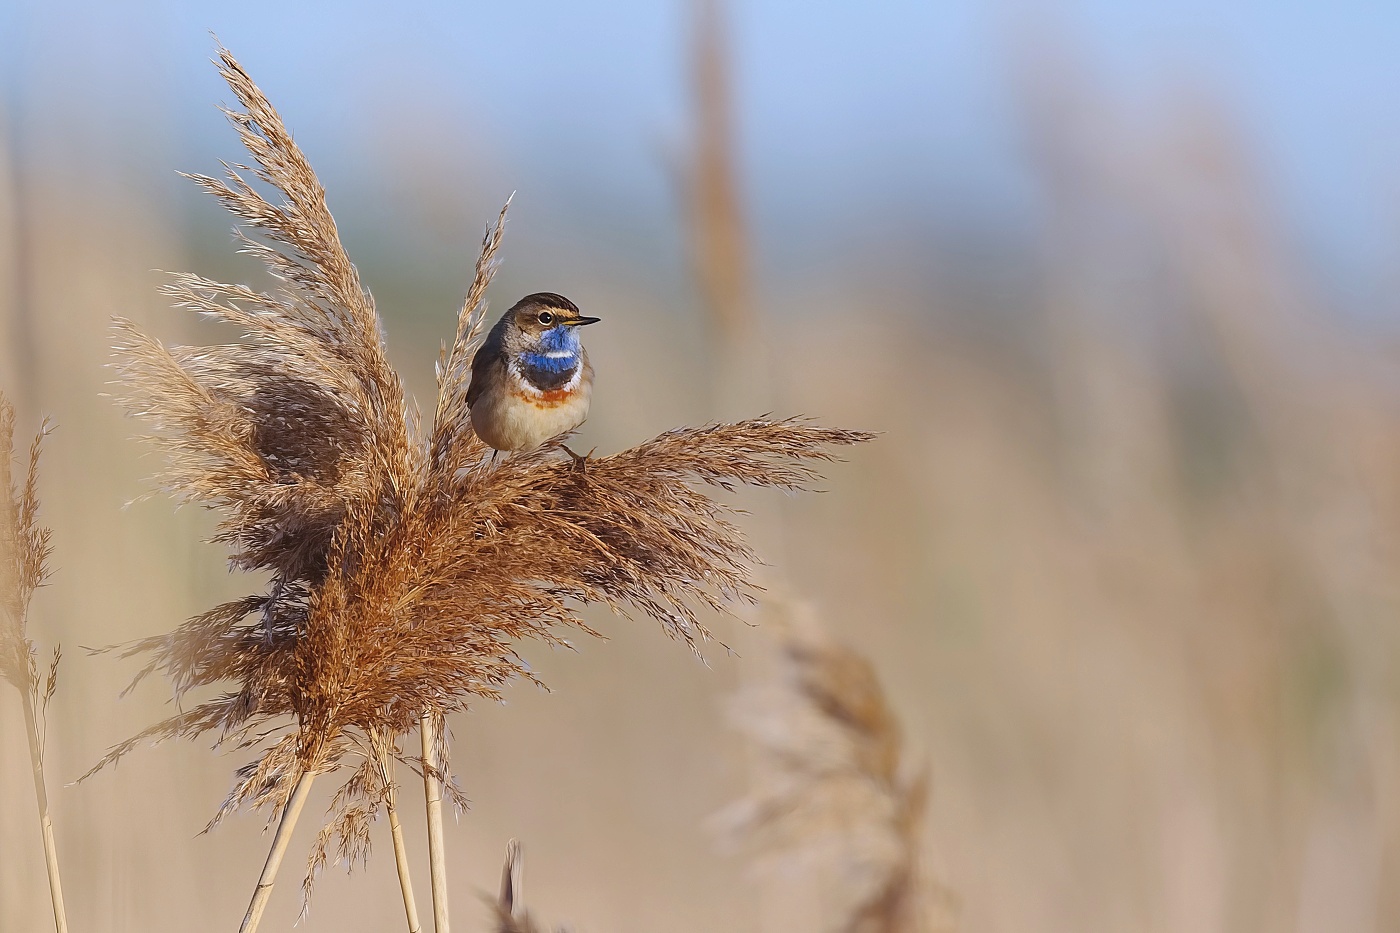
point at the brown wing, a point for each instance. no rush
(488, 366)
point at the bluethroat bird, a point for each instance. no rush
(531, 380)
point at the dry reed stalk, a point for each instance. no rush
(410, 904)
(384, 761)
(826, 794)
(428, 732)
(718, 241)
(24, 551)
(405, 568)
(263, 892)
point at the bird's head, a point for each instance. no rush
(545, 321)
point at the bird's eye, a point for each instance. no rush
(546, 318)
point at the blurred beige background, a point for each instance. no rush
(1124, 555)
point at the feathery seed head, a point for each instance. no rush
(826, 792)
(24, 552)
(405, 571)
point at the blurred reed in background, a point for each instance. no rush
(25, 548)
(1123, 559)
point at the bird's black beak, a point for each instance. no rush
(580, 321)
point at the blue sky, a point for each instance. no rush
(894, 102)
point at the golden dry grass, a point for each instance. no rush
(25, 547)
(1148, 659)
(405, 566)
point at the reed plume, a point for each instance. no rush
(405, 569)
(25, 546)
(826, 794)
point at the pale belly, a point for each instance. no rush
(506, 421)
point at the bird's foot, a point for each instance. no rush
(580, 462)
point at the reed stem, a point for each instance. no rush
(274, 856)
(41, 795)
(410, 905)
(432, 788)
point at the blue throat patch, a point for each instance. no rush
(552, 360)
